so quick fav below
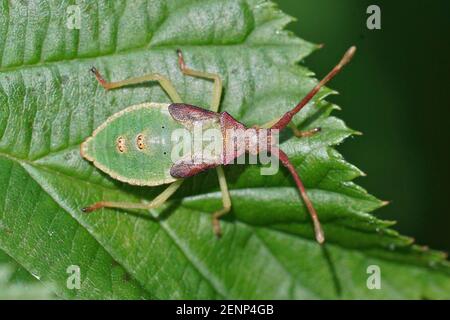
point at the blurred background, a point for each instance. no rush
(397, 92)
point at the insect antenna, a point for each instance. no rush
(287, 117)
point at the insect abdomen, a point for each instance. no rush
(134, 145)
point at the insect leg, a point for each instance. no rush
(163, 81)
(215, 103)
(285, 161)
(298, 133)
(301, 134)
(156, 202)
(217, 90)
(226, 201)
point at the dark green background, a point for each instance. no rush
(397, 92)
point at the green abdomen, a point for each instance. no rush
(134, 145)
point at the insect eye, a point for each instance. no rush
(140, 141)
(120, 142)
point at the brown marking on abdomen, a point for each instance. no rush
(120, 144)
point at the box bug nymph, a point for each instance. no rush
(134, 145)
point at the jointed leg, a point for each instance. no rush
(175, 97)
(158, 201)
(217, 89)
(215, 103)
(298, 133)
(226, 201)
(320, 237)
(163, 81)
(301, 134)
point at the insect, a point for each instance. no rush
(134, 145)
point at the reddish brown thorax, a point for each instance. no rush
(239, 139)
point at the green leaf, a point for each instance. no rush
(17, 283)
(49, 103)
